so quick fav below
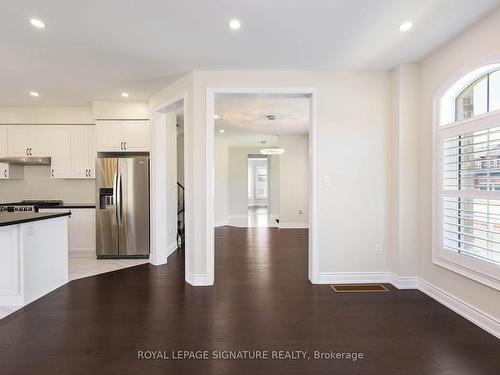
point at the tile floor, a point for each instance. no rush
(85, 267)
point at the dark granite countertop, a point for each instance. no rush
(70, 205)
(13, 218)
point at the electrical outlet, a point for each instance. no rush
(379, 250)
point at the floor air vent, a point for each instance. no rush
(359, 288)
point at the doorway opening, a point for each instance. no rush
(169, 182)
(263, 156)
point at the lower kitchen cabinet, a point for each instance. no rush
(81, 231)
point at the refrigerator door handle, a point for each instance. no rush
(119, 199)
(115, 195)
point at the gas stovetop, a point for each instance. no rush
(29, 205)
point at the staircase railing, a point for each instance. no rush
(180, 216)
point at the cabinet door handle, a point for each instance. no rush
(121, 145)
(52, 173)
(124, 145)
(27, 153)
(30, 152)
(5, 173)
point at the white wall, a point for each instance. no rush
(405, 91)
(354, 109)
(221, 162)
(479, 41)
(294, 177)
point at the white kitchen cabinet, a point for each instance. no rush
(28, 140)
(135, 135)
(9, 252)
(3, 140)
(18, 140)
(122, 136)
(92, 151)
(11, 172)
(81, 231)
(60, 139)
(73, 151)
(79, 151)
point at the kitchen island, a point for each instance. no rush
(33, 255)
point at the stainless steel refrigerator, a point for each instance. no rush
(122, 206)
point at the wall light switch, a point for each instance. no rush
(326, 180)
(379, 250)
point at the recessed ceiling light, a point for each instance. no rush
(234, 24)
(124, 94)
(221, 130)
(405, 26)
(37, 23)
(34, 93)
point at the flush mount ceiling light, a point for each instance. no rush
(37, 23)
(405, 26)
(221, 130)
(272, 151)
(234, 24)
(34, 93)
(124, 95)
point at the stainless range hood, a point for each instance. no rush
(26, 160)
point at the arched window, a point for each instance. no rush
(467, 204)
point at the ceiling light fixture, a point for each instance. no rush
(37, 23)
(234, 24)
(35, 94)
(405, 26)
(272, 151)
(271, 117)
(221, 130)
(124, 95)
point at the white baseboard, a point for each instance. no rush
(480, 318)
(198, 279)
(353, 277)
(81, 254)
(171, 248)
(293, 225)
(476, 316)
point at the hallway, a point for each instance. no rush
(261, 300)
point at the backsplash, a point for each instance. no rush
(37, 184)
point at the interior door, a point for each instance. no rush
(133, 184)
(106, 209)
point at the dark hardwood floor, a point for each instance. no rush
(262, 300)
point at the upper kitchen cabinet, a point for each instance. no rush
(73, 151)
(3, 140)
(28, 140)
(122, 136)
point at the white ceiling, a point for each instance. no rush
(95, 49)
(247, 114)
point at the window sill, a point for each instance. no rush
(461, 265)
